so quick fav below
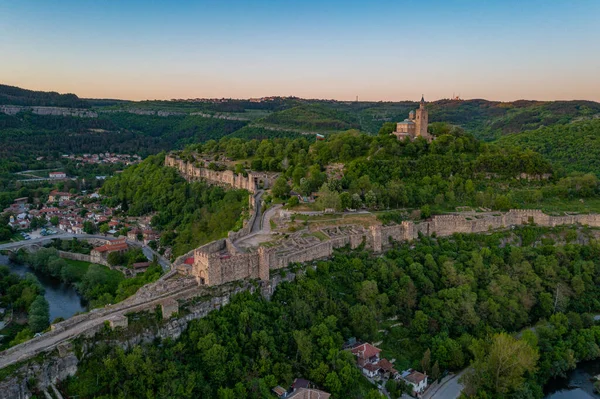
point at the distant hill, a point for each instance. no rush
(573, 146)
(312, 117)
(487, 120)
(557, 129)
(11, 95)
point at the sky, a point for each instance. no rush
(376, 50)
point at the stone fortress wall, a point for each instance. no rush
(221, 262)
(253, 182)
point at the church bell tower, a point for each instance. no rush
(422, 120)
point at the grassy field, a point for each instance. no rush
(588, 205)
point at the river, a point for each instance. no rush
(577, 385)
(63, 299)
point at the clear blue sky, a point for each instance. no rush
(378, 50)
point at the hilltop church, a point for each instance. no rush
(415, 126)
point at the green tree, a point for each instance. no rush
(89, 227)
(39, 314)
(500, 365)
(281, 188)
(115, 258)
(104, 228)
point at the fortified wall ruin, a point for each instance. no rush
(253, 181)
(221, 261)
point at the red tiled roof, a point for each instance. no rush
(141, 265)
(61, 193)
(371, 367)
(365, 351)
(189, 261)
(121, 246)
(415, 377)
(385, 364)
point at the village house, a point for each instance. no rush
(100, 254)
(57, 175)
(300, 389)
(19, 223)
(18, 206)
(417, 380)
(140, 267)
(57, 196)
(370, 362)
(366, 354)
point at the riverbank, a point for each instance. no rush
(63, 298)
(577, 385)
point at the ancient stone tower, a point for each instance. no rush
(422, 120)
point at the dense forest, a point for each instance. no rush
(11, 95)
(451, 300)
(25, 136)
(188, 214)
(314, 117)
(573, 147)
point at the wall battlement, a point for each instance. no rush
(253, 182)
(219, 262)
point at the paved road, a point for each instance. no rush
(149, 252)
(258, 211)
(50, 340)
(450, 389)
(43, 240)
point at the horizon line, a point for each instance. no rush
(191, 99)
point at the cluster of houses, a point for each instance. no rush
(104, 158)
(300, 389)
(72, 211)
(372, 365)
(18, 210)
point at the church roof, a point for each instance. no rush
(406, 122)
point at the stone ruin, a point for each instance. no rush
(252, 182)
(221, 261)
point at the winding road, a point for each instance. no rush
(148, 252)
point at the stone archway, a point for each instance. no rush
(202, 278)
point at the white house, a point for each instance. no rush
(416, 379)
(57, 175)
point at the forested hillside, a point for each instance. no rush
(189, 214)
(25, 136)
(313, 117)
(574, 146)
(381, 172)
(12, 95)
(121, 127)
